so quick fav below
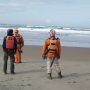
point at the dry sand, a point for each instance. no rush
(31, 73)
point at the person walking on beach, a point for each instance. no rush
(9, 48)
(20, 44)
(51, 52)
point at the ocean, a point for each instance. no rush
(70, 37)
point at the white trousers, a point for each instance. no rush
(56, 64)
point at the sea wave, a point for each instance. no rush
(37, 35)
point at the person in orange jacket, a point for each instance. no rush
(51, 51)
(20, 44)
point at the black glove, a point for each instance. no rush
(14, 51)
(58, 57)
(44, 57)
(20, 51)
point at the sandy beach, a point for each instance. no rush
(31, 73)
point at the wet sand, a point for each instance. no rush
(31, 73)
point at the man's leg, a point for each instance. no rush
(49, 68)
(19, 57)
(5, 63)
(16, 57)
(57, 66)
(12, 60)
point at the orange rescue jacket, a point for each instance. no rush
(52, 47)
(20, 41)
(9, 42)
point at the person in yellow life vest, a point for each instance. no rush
(51, 52)
(20, 44)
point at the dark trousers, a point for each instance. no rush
(12, 59)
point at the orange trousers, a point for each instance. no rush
(18, 57)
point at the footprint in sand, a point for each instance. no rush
(43, 66)
(26, 85)
(10, 79)
(72, 82)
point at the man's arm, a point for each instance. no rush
(15, 44)
(4, 44)
(22, 40)
(44, 49)
(59, 48)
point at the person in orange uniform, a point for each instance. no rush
(51, 52)
(20, 44)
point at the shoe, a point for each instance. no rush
(20, 62)
(16, 62)
(12, 72)
(5, 72)
(50, 76)
(60, 75)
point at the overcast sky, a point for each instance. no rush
(67, 13)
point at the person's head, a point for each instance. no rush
(16, 32)
(52, 33)
(9, 32)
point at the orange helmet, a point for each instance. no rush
(16, 31)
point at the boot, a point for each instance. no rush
(12, 72)
(5, 72)
(50, 76)
(59, 75)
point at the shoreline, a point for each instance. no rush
(67, 53)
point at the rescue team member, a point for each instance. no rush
(9, 48)
(20, 44)
(51, 51)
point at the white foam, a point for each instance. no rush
(58, 31)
